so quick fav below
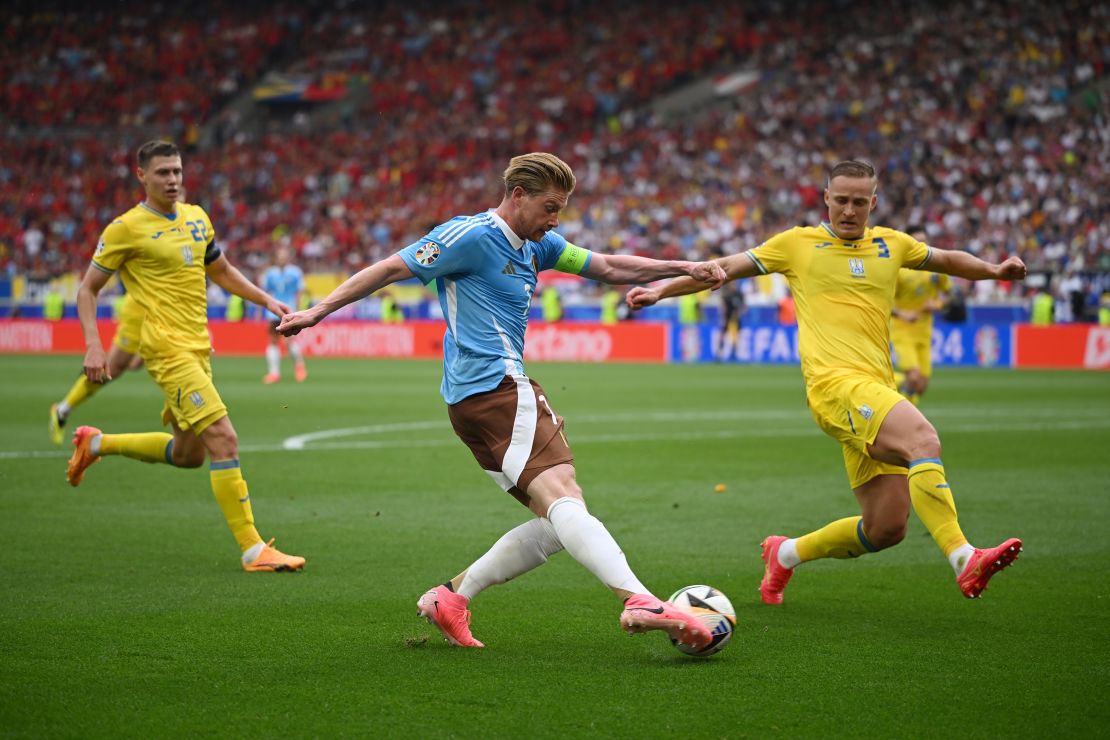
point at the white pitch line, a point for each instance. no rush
(299, 443)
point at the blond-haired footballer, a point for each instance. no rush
(842, 274)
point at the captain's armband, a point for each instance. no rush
(573, 259)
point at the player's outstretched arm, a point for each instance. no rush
(734, 266)
(970, 267)
(358, 286)
(622, 268)
(228, 277)
(96, 361)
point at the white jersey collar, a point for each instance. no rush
(515, 241)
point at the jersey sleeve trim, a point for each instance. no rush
(573, 259)
(759, 265)
(102, 268)
(928, 256)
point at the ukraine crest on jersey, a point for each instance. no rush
(843, 291)
(485, 276)
(161, 260)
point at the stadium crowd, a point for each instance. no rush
(988, 122)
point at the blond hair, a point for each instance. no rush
(538, 172)
(853, 168)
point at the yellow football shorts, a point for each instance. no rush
(912, 347)
(850, 409)
(130, 326)
(192, 401)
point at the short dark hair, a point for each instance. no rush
(152, 149)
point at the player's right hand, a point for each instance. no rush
(1011, 269)
(96, 365)
(292, 323)
(641, 297)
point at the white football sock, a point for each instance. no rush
(788, 553)
(518, 551)
(94, 444)
(959, 557)
(273, 359)
(294, 350)
(63, 410)
(252, 552)
(589, 542)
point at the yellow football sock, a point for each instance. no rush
(151, 447)
(843, 538)
(235, 502)
(82, 389)
(933, 502)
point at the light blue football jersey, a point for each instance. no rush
(284, 283)
(485, 277)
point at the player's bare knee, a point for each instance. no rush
(886, 535)
(188, 458)
(222, 442)
(925, 442)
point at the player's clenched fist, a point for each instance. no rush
(1011, 269)
(641, 297)
(709, 272)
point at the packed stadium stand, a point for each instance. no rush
(695, 129)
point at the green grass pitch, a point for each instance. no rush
(123, 611)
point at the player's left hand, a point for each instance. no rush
(1011, 269)
(641, 297)
(709, 272)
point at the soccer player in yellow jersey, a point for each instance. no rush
(917, 295)
(123, 356)
(842, 274)
(163, 251)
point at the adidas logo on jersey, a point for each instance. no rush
(509, 269)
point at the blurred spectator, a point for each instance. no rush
(551, 304)
(988, 122)
(1044, 308)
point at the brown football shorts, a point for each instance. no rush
(512, 432)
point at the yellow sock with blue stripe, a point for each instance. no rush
(235, 501)
(151, 447)
(843, 538)
(932, 501)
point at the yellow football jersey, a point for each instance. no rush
(843, 291)
(916, 288)
(161, 259)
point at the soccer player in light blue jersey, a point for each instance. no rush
(285, 282)
(485, 267)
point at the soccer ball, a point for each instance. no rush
(714, 610)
